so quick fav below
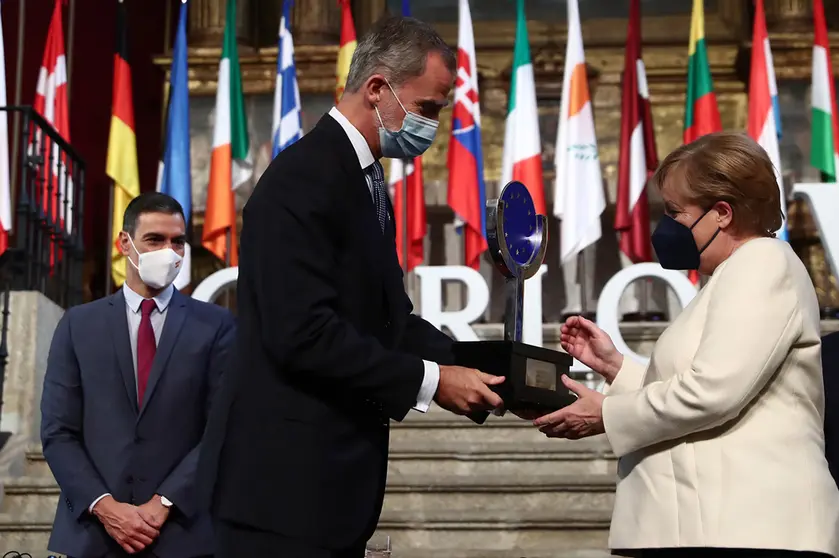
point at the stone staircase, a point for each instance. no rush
(455, 490)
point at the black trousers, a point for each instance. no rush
(720, 553)
(234, 540)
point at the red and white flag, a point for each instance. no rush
(406, 179)
(5, 185)
(637, 159)
(51, 103)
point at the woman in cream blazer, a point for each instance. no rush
(720, 438)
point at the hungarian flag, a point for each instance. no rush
(578, 188)
(637, 158)
(406, 180)
(346, 48)
(701, 113)
(764, 124)
(467, 190)
(824, 145)
(522, 159)
(51, 103)
(230, 165)
(122, 146)
(5, 183)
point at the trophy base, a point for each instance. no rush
(533, 374)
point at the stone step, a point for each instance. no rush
(30, 499)
(36, 463)
(425, 457)
(440, 426)
(546, 532)
(18, 536)
(421, 494)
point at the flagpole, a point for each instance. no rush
(21, 24)
(109, 251)
(71, 32)
(228, 238)
(404, 224)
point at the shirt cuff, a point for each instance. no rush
(428, 388)
(96, 501)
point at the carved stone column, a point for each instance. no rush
(206, 23)
(789, 15)
(366, 13)
(316, 22)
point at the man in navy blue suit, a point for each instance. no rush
(128, 387)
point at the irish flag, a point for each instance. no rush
(701, 113)
(702, 116)
(229, 163)
(825, 133)
(578, 187)
(764, 124)
(522, 159)
(346, 48)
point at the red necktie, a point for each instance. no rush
(146, 348)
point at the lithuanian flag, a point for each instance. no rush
(701, 113)
(702, 116)
(122, 145)
(230, 165)
(346, 49)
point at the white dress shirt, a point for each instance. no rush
(132, 312)
(365, 158)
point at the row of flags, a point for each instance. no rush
(578, 191)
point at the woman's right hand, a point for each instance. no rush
(583, 340)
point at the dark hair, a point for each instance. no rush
(729, 167)
(150, 202)
(397, 47)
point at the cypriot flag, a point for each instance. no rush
(578, 189)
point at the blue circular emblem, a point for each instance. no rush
(516, 233)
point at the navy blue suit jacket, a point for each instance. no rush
(95, 438)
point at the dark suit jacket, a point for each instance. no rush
(95, 439)
(830, 371)
(327, 352)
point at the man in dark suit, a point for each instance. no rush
(327, 348)
(127, 391)
(830, 371)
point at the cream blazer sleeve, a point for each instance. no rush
(751, 324)
(628, 378)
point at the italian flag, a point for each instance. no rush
(825, 133)
(702, 116)
(230, 164)
(522, 160)
(346, 48)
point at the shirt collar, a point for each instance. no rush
(362, 150)
(133, 300)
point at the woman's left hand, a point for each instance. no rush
(581, 419)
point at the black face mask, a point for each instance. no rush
(674, 244)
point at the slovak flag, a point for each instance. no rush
(467, 191)
(764, 114)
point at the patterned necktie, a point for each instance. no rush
(146, 349)
(379, 193)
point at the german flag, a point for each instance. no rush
(122, 145)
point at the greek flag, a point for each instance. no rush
(287, 126)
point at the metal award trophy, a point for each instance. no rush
(517, 239)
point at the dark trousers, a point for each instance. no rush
(721, 553)
(234, 540)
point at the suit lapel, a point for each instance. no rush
(122, 346)
(175, 317)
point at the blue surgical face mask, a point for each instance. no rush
(675, 246)
(412, 140)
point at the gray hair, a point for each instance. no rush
(397, 48)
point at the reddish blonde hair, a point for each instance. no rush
(729, 167)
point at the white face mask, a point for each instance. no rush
(159, 268)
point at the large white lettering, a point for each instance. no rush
(823, 200)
